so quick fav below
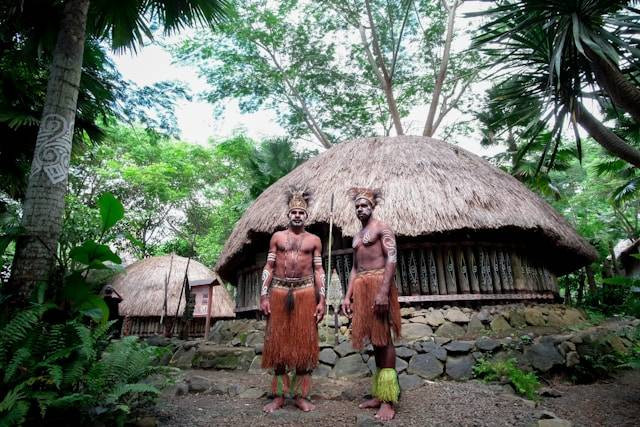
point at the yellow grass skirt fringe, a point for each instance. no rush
(387, 387)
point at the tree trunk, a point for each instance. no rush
(623, 92)
(580, 294)
(591, 280)
(442, 72)
(43, 205)
(606, 138)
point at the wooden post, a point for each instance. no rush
(580, 287)
(440, 271)
(472, 264)
(461, 272)
(591, 280)
(206, 323)
(518, 275)
(450, 272)
(495, 271)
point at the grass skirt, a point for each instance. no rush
(291, 339)
(367, 326)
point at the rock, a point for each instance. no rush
(256, 365)
(344, 349)
(252, 393)
(371, 364)
(146, 422)
(554, 320)
(434, 318)
(533, 316)
(409, 382)
(475, 325)
(322, 370)
(499, 324)
(545, 415)
(181, 389)
(183, 358)
(350, 366)
(407, 311)
(426, 366)
(405, 352)
(441, 340)
(450, 330)
(455, 315)
(556, 422)
(543, 356)
(460, 367)
(416, 331)
(232, 389)
(477, 355)
(365, 420)
(565, 347)
(401, 365)
(328, 356)
(484, 316)
(198, 384)
(419, 319)
(221, 357)
(158, 341)
(572, 359)
(487, 344)
(254, 338)
(459, 346)
(235, 342)
(517, 319)
(572, 317)
(549, 392)
(259, 348)
(438, 351)
(617, 345)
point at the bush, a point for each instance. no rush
(58, 365)
(506, 371)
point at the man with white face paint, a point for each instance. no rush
(293, 299)
(375, 309)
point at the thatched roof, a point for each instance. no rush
(429, 187)
(142, 285)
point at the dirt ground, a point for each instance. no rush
(614, 402)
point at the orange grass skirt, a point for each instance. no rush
(367, 326)
(291, 340)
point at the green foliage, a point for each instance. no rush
(57, 362)
(546, 50)
(307, 62)
(525, 383)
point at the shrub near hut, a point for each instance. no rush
(58, 363)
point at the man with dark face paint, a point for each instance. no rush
(293, 299)
(375, 309)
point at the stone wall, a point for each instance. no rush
(436, 343)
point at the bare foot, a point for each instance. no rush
(371, 403)
(304, 404)
(276, 403)
(386, 412)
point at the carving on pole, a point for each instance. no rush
(53, 148)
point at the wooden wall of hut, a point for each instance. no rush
(147, 326)
(463, 271)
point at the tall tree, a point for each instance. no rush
(125, 24)
(556, 50)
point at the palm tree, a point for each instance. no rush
(125, 24)
(554, 50)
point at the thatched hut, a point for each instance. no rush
(466, 230)
(153, 292)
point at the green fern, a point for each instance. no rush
(21, 356)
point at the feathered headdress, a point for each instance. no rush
(372, 195)
(298, 198)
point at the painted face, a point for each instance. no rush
(363, 209)
(297, 217)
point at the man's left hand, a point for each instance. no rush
(381, 304)
(319, 314)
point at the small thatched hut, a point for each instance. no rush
(466, 230)
(144, 284)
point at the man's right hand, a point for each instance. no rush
(346, 307)
(265, 307)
